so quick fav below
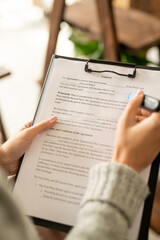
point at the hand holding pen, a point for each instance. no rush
(149, 103)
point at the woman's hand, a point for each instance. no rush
(15, 147)
(137, 140)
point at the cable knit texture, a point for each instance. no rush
(114, 195)
(118, 185)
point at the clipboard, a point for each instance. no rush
(90, 67)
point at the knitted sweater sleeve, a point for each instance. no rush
(115, 193)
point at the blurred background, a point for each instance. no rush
(25, 27)
(24, 30)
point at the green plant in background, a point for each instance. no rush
(87, 48)
(139, 59)
(84, 46)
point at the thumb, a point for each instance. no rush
(42, 126)
(133, 105)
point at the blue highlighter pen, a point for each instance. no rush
(149, 103)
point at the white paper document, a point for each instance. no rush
(54, 171)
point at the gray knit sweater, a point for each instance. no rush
(114, 195)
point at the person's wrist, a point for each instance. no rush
(4, 159)
(125, 158)
(2, 156)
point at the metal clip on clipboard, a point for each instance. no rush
(89, 70)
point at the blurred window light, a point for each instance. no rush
(15, 14)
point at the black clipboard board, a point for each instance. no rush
(145, 221)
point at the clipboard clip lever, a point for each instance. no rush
(89, 70)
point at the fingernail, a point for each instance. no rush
(53, 119)
(27, 125)
(139, 92)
